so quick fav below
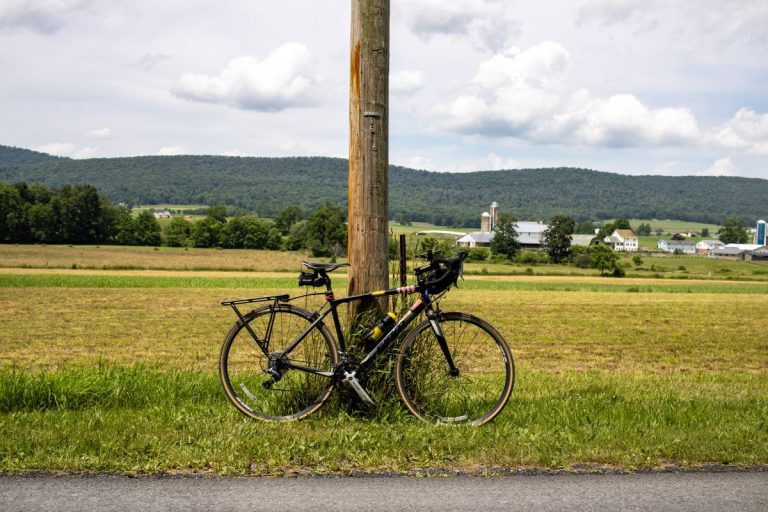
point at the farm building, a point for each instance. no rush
(582, 240)
(748, 252)
(476, 239)
(706, 246)
(727, 253)
(677, 246)
(529, 234)
(759, 254)
(622, 240)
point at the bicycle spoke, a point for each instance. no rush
(485, 373)
(266, 385)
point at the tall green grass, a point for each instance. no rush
(139, 419)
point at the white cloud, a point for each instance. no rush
(57, 148)
(235, 152)
(523, 94)
(406, 82)
(67, 149)
(171, 151)
(421, 162)
(482, 21)
(746, 130)
(721, 167)
(100, 133)
(278, 82)
(720, 23)
(44, 16)
(623, 121)
(510, 92)
(498, 163)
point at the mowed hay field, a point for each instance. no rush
(116, 371)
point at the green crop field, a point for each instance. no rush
(671, 227)
(115, 370)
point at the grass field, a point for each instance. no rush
(115, 370)
(146, 258)
(174, 258)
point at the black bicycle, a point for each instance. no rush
(280, 362)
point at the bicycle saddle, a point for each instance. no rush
(325, 267)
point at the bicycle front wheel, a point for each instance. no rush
(475, 393)
(254, 351)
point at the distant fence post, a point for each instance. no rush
(403, 269)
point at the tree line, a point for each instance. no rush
(80, 214)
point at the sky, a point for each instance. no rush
(665, 87)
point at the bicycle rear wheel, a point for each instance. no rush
(486, 371)
(245, 363)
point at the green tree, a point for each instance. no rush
(297, 238)
(604, 258)
(704, 232)
(505, 238)
(81, 214)
(326, 231)
(147, 229)
(177, 232)
(586, 228)
(557, 238)
(206, 233)
(644, 229)
(13, 219)
(286, 218)
(403, 219)
(637, 260)
(42, 223)
(218, 212)
(249, 232)
(733, 231)
(123, 227)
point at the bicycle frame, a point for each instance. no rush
(424, 303)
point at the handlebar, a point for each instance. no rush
(440, 273)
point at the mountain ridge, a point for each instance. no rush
(265, 185)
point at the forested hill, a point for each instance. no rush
(18, 156)
(267, 185)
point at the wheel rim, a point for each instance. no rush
(245, 368)
(484, 381)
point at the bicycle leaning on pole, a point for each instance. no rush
(280, 362)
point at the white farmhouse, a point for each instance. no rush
(162, 214)
(677, 246)
(623, 240)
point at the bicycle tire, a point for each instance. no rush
(243, 365)
(483, 385)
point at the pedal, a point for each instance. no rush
(351, 379)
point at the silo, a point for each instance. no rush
(485, 222)
(494, 215)
(760, 233)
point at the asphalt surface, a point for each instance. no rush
(680, 492)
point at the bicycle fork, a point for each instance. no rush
(434, 322)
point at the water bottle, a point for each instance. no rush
(380, 330)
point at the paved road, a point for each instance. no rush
(680, 492)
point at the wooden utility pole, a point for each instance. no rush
(368, 150)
